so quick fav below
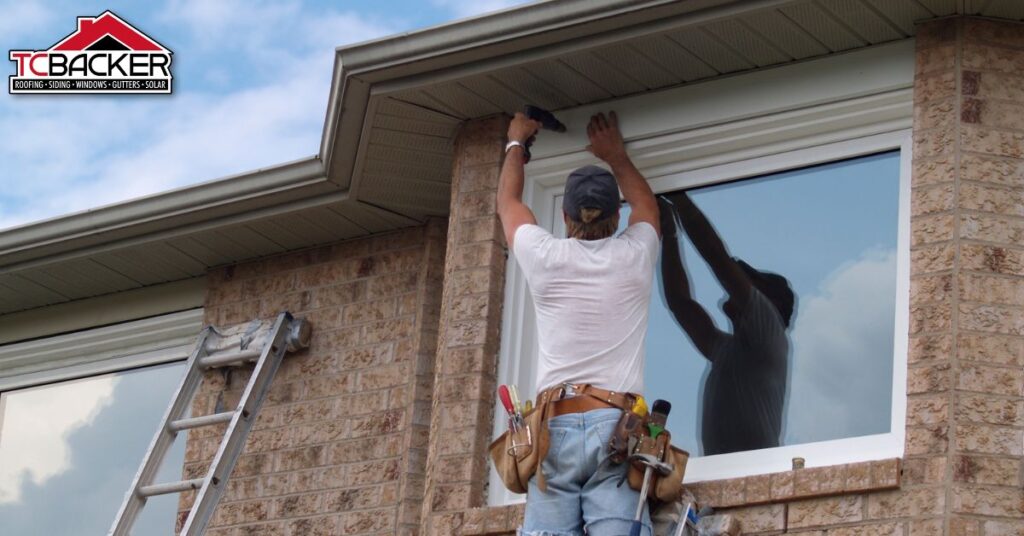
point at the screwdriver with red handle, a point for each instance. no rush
(506, 401)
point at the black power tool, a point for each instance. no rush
(547, 120)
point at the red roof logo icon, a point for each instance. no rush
(93, 30)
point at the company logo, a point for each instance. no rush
(104, 55)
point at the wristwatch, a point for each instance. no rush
(514, 143)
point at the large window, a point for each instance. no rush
(803, 174)
(811, 359)
(77, 413)
(68, 452)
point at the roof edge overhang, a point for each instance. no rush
(228, 197)
(491, 41)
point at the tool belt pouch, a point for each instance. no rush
(667, 488)
(517, 454)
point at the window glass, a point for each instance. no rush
(820, 241)
(68, 452)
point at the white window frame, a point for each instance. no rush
(127, 345)
(760, 123)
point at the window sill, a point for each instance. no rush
(798, 484)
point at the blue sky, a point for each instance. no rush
(251, 80)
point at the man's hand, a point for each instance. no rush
(605, 139)
(522, 128)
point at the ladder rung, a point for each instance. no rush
(170, 487)
(233, 358)
(196, 422)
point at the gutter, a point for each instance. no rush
(173, 209)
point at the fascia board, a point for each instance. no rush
(168, 210)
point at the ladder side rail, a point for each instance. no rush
(162, 440)
(231, 446)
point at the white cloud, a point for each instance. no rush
(842, 353)
(66, 155)
(469, 8)
(36, 425)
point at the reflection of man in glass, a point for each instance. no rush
(746, 388)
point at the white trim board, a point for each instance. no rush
(777, 130)
(97, 351)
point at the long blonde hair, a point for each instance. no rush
(589, 229)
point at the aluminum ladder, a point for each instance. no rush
(212, 350)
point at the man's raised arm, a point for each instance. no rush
(511, 209)
(606, 143)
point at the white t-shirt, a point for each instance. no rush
(592, 299)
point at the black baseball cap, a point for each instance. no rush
(591, 187)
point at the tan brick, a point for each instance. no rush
(931, 229)
(925, 527)
(937, 58)
(938, 85)
(927, 439)
(932, 258)
(990, 289)
(1005, 86)
(992, 169)
(988, 379)
(930, 172)
(992, 318)
(998, 114)
(906, 503)
(997, 259)
(929, 379)
(964, 526)
(986, 470)
(989, 410)
(935, 143)
(312, 526)
(988, 439)
(993, 199)
(872, 529)
(988, 348)
(818, 481)
(930, 318)
(988, 141)
(366, 521)
(1003, 528)
(931, 288)
(821, 512)
(991, 31)
(918, 471)
(757, 519)
(988, 501)
(931, 199)
(935, 114)
(989, 58)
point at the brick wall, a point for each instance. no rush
(966, 375)
(470, 329)
(340, 444)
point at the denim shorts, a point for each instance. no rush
(583, 492)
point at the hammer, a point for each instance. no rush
(652, 464)
(547, 120)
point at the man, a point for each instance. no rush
(591, 292)
(745, 391)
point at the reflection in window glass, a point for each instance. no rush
(788, 337)
(68, 452)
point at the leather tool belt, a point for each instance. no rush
(587, 397)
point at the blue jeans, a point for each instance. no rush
(583, 492)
